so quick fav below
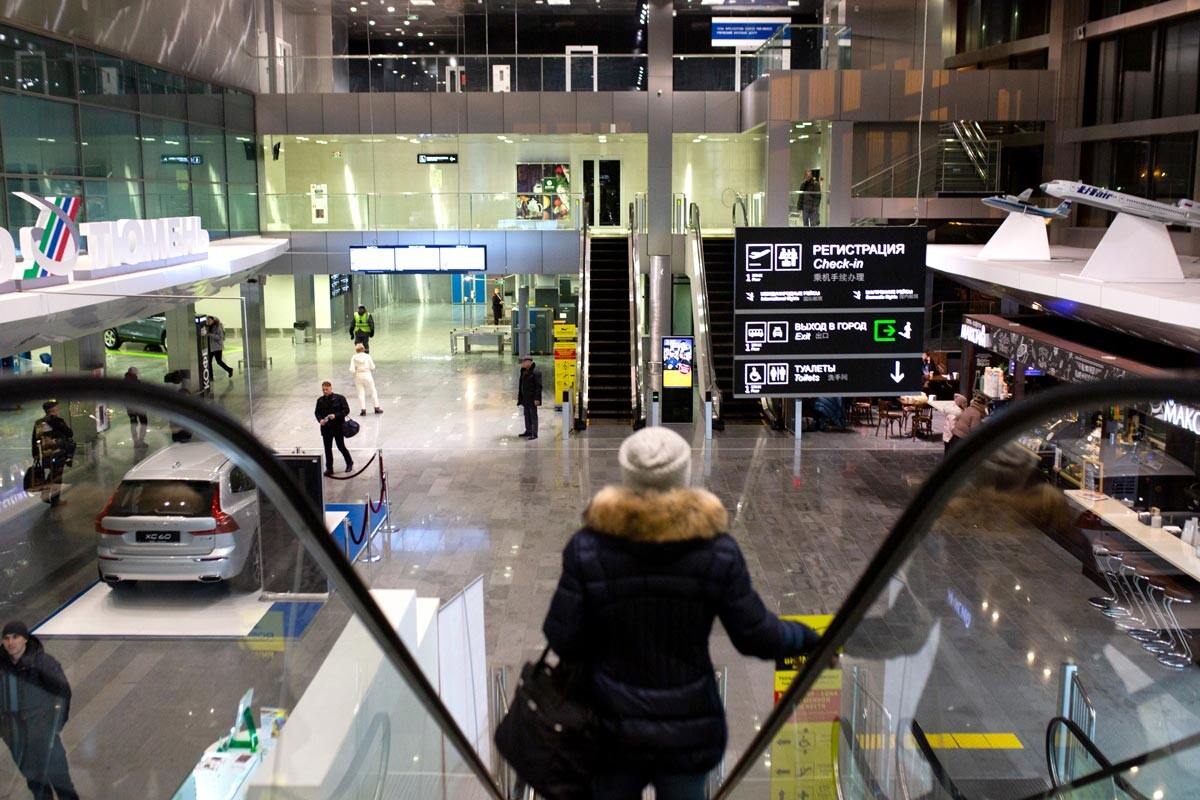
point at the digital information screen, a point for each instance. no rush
(419, 258)
(828, 311)
(678, 363)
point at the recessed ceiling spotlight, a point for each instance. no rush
(391, 9)
(353, 10)
(419, 34)
(372, 22)
(408, 22)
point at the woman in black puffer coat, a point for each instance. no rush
(642, 582)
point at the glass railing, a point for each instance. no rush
(419, 211)
(812, 47)
(1054, 555)
(805, 47)
(183, 581)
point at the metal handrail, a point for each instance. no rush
(917, 519)
(635, 334)
(1093, 751)
(300, 516)
(702, 324)
(740, 200)
(583, 319)
(935, 764)
(856, 188)
(973, 143)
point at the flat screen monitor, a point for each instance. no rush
(678, 362)
(372, 259)
(419, 258)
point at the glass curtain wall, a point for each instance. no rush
(134, 141)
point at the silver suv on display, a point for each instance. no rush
(185, 513)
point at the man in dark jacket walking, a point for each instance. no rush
(331, 411)
(35, 701)
(529, 395)
(810, 200)
(53, 446)
(641, 584)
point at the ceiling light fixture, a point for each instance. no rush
(391, 9)
(421, 2)
(372, 22)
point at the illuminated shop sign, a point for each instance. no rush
(974, 332)
(1179, 415)
(51, 246)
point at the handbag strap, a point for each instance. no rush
(542, 658)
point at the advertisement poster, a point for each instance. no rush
(677, 362)
(804, 752)
(319, 200)
(564, 359)
(543, 191)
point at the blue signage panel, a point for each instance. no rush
(749, 32)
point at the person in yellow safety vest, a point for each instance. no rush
(363, 328)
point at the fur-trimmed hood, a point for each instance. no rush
(677, 515)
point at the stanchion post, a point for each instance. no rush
(566, 414)
(655, 410)
(372, 556)
(708, 416)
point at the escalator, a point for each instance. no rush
(718, 272)
(938, 627)
(609, 378)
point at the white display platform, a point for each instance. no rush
(1134, 249)
(338, 723)
(1021, 237)
(1177, 303)
(158, 610)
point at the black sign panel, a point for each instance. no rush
(821, 333)
(828, 311)
(437, 158)
(841, 376)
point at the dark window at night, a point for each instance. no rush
(984, 23)
(1144, 73)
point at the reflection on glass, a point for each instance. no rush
(36, 64)
(112, 200)
(209, 204)
(235, 691)
(39, 136)
(207, 153)
(243, 210)
(107, 80)
(110, 144)
(241, 156)
(167, 199)
(165, 149)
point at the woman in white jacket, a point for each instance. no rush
(362, 365)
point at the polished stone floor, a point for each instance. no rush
(469, 498)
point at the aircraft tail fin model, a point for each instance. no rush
(1025, 195)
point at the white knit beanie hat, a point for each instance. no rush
(655, 458)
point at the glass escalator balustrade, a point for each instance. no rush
(1056, 578)
(185, 591)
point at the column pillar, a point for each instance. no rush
(182, 350)
(660, 76)
(306, 305)
(254, 340)
(779, 172)
(841, 168)
(85, 354)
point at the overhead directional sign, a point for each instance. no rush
(828, 311)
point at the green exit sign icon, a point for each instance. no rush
(885, 330)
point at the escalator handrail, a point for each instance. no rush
(935, 764)
(1114, 771)
(635, 329)
(923, 510)
(701, 294)
(300, 515)
(1092, 749)
(583, 317)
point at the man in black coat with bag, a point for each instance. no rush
(35, 701)
(331, 412)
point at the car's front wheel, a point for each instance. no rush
(112, 339)
(162, 342)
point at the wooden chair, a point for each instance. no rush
(861, 413)
(889, 415)
(921, 423)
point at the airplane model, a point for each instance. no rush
(1186, 212)
(1019, 204)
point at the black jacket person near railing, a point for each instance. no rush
(642, 582)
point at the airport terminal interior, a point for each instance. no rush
(323, 322)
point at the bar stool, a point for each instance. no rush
(1104, 602)
(1180, 657)
(1158, 642)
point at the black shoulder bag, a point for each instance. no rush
(549, 732)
